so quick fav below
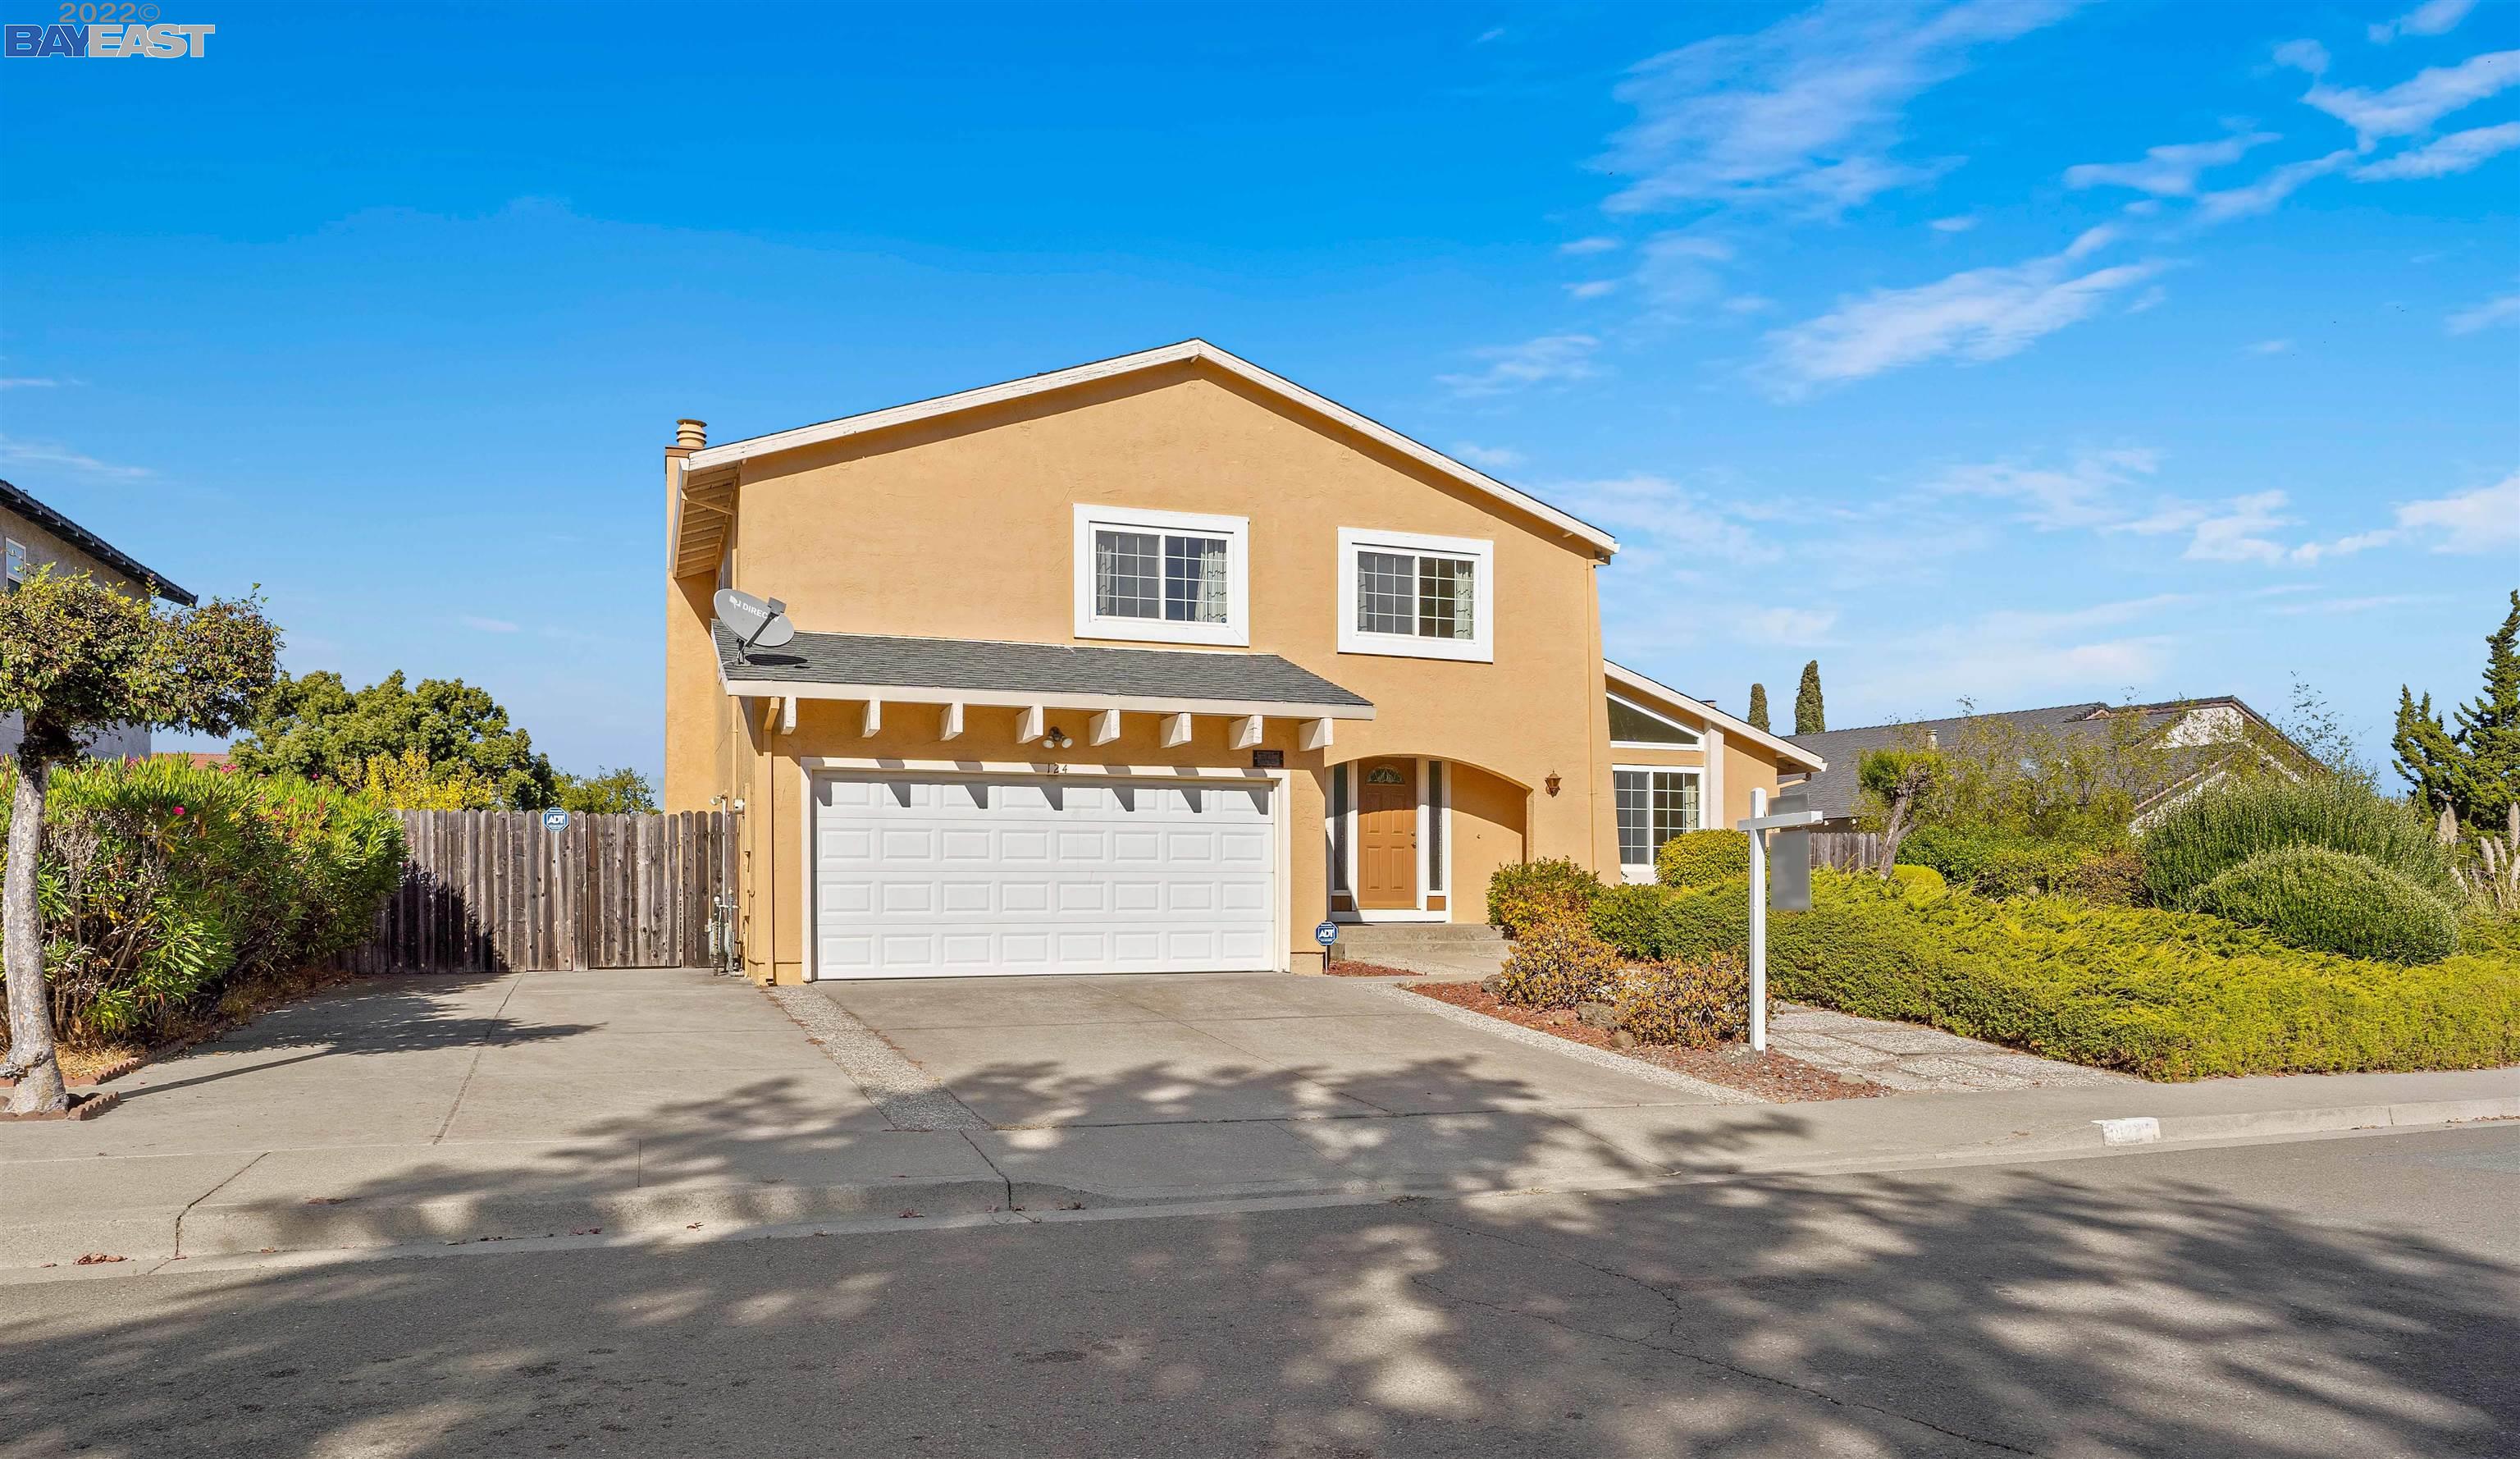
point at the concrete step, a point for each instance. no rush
(1464, 934)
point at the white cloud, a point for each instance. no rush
(2486, 519)
(2433, 17)
(27, 382)
(2089, 492)
(2268, 192)
(1487, 458)
(1952, 224)
(487, 625)
(1592, 288)
(2238, 532)
(1541, 361)
(1497, 32)
(2460, 152)
(1582, 246)
(1678, 269)
(1982, 314)
(2000, 660)
(1645, 502)
(1802, 113)
(2267, 346)
(2347, 605)
(2169, 172)
(2503, 309)
(1798, 627)
(53, 455)
(2413, 104)
(2312, 552)
(1747, 304)
(2304, 56)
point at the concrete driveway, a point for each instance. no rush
(1171, 1048)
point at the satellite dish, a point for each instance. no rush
(760, 623)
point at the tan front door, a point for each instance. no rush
(1386, 836)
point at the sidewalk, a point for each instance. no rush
(522, 1106)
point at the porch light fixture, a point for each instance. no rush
(1553, 782)
(1057, 739)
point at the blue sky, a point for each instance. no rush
(2013, 350)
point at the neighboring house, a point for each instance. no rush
(35, 535)
(2200, 735)
(1149, 664)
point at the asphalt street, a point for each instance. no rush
(2340, 1297)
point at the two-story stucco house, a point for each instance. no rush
(34, 535)
(1150, 664)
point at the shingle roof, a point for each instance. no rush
(15, 500)
(1055, 671)
(1834, 794)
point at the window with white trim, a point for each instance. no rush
(1420, 597)
(1653, 807)
(18, 568)
(1634, 725)
(1162, 577)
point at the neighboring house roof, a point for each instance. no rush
(1809, 757)
(1834, 794)
(17, 501)
(985, 672)
(733, 452)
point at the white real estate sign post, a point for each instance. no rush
(1757, 826)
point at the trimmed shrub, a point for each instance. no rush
(1625, 917)
(1694, 1004)
(1559, 964)
(162, 883)
(1702, 858)
(2112, 878)
(1919, 883)
(2167, 995)
(2215, 830)
(1525, 895)
(2330, 901)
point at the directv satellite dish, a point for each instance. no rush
(760, 623)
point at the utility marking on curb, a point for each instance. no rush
(907, 1096)
(2140, 1129)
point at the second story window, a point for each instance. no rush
(1162, 576)
(18, 568)
(1416, 596)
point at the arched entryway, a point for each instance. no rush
(1416, 838)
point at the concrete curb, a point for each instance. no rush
(1712, 1093)
(2164, 1129)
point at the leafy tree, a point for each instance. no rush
(315, 726)
(2473, 770)
(606, 792)
(409, 782)
(1811, 717)
(1758, 707)
(75, 658)
(2312, 727)
(1898, 780)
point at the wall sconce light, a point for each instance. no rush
(1553, 782)
(1057, 739)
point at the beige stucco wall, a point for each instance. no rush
(113, 742)
(964, 528)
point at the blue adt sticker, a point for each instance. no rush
(554, 819)
(1326, 933)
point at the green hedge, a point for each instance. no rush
(2332, 901)
(1702, 858)
(2208, 833)
(162, 882)
(2167, 995)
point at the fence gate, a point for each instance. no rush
(496, 890)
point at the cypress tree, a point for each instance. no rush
(1758, 707)
(2475, 768)
(1811, 717)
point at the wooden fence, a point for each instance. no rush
(1845, 850)
(491, 891)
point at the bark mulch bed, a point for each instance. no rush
(1367, 969)
(1770, 1076)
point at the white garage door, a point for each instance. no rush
(926, 878)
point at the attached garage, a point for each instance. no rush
(917, 876)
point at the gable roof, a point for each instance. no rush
(1834, 794)
(14, 500)
(1740, 729)
(734, 452)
